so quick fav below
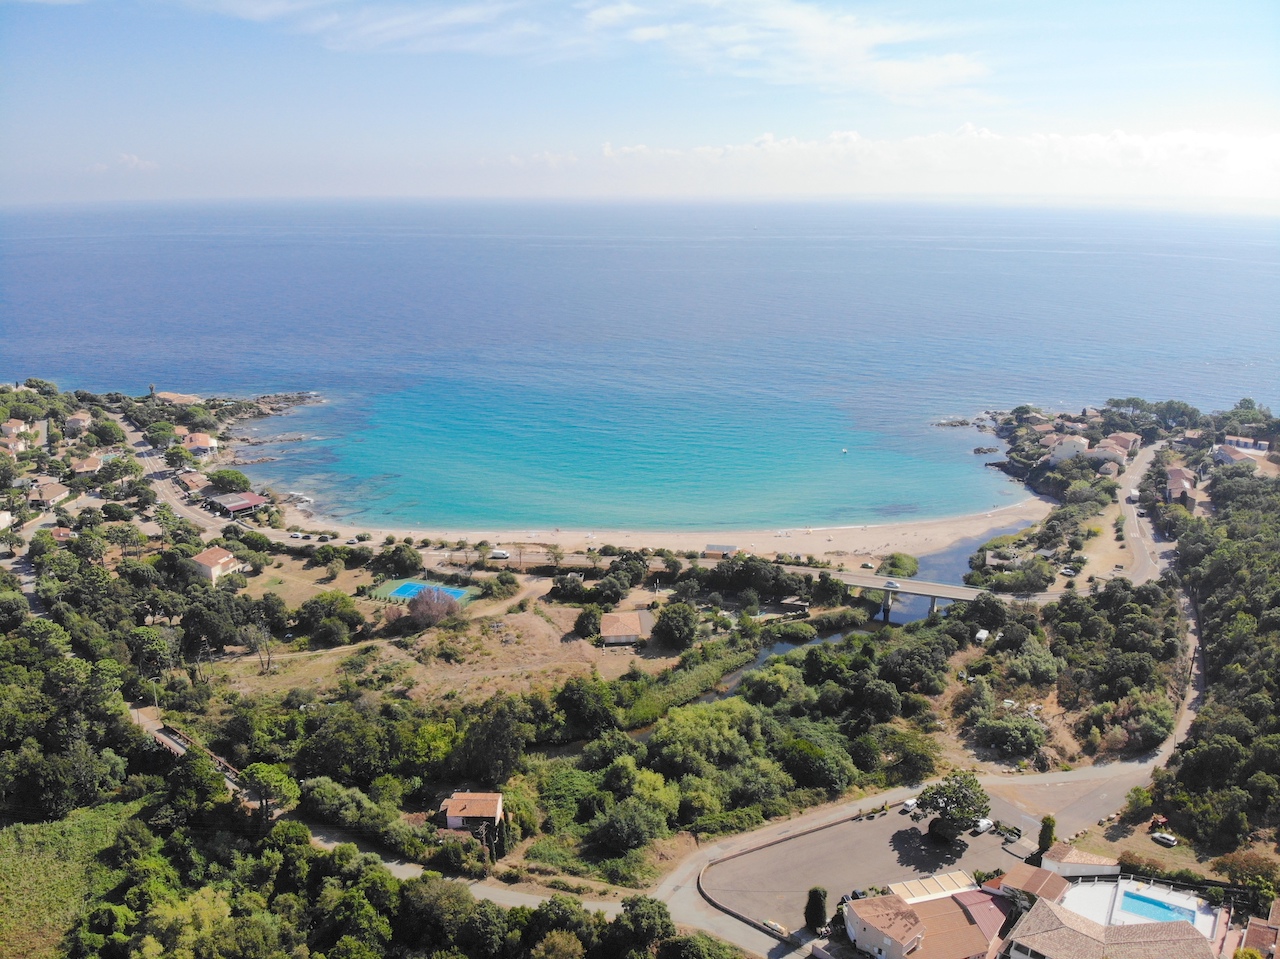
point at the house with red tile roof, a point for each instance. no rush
(1068, 861)
(470, 811)
(215, 562)
(1050, 931)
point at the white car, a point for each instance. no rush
(984, 825)
(295, 536)
(1164, 839)
(910, 804)
(892, 584)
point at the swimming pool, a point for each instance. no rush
(410, 590)
(1154, 909)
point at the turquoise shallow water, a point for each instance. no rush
(510, 366)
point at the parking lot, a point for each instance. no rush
(774, 882)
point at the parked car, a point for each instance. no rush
(910, 804)
(352, 541)
(295, 536)
(499, 554)
(1164, 838)
(984, 825)
(868, 565)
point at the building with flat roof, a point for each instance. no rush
(238, 504)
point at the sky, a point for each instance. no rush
(1166, 104)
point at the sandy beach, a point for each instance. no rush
(848, 544)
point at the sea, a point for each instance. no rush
(526, 366)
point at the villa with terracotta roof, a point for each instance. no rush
(625, 629)
(1025, 884)
(46, 493)
(1068, 861)
(199, 444)
(79, 422)
(215, 562)
(471, 810)
(958, 926)
(86, 466)
(1230, 455)
(1264, 934)
(12, 427)
(1050, 931)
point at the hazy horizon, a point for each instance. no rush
(1153, 106)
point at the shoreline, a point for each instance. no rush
(848, 544)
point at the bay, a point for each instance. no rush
(642, 366)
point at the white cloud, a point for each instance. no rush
(970, 161)
(777, 41)
(131, 161)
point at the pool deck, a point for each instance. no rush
(1103, 903)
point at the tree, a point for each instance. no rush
(558, 944)
(1047, 836)
(642, 923)
(556, 554)
(229, 481)
(108, 432)
(588, 622)
(176, 457)
(815, 910)
(676, 626)
(958, 801)
(272, 785)
(259, 640)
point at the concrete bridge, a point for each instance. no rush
(908, 587)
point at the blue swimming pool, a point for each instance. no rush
(1154, 909)
(410, 590)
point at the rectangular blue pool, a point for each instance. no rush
(410, 590)
(1154, 909)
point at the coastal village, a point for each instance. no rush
(115, 485)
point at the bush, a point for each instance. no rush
(1012, 735)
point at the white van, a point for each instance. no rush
(499, 554)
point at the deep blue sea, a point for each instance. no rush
(521, 366)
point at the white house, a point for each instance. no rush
(79, 422)
(199, 444)
(471, 810)
(1068, 447)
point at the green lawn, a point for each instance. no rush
(48, 871)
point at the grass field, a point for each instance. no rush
(48, 871)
